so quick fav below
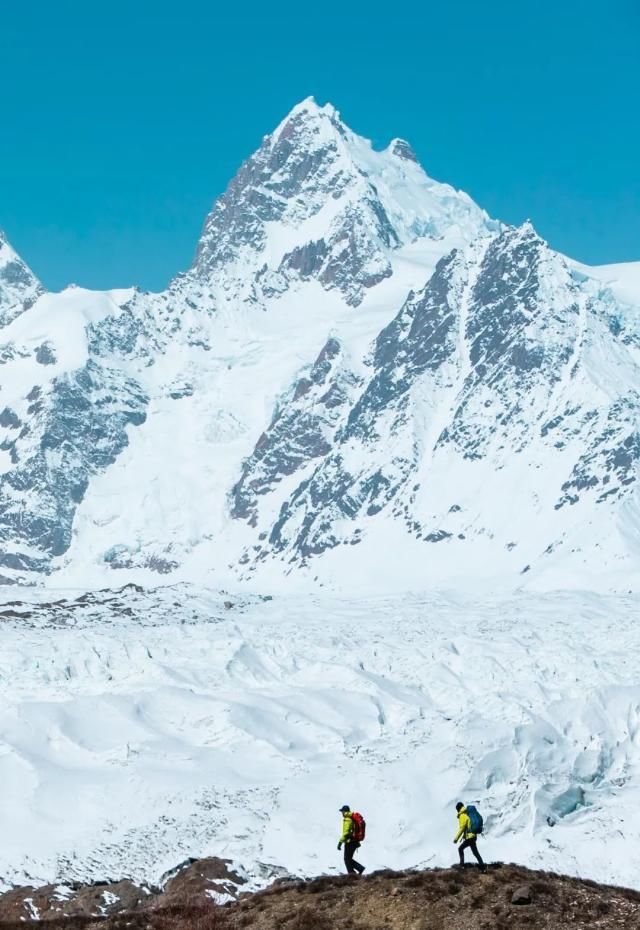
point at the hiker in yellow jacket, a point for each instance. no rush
(468, 837)
(349, 842)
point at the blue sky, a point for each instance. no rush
(122, 121)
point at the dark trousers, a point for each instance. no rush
(352, 866)
(470, 844)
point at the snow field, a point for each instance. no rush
(128, 743)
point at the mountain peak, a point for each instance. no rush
(401, 149)
(526, 232)
(19, 287)
(6, 251)
(8, 255)
(317, 200)
(308, 117)
(310, 107)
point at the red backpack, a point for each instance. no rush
(359, 827)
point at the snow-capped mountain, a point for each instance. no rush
(358, 356)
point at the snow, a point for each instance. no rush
(131, 742)
(622, 278)
(60, 321)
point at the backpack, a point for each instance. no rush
(475, 817)
(359, 827)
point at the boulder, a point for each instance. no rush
(522, 895)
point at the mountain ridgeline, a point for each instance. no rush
(359, 361)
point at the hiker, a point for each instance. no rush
(353, 828)
(470, 824)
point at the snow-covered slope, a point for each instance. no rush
(140, 728)
(358, 356)
(622, 278)
(507, 385)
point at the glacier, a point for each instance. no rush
(140, 727)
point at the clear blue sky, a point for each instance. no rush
(122, 121)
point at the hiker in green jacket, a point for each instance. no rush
(352, 832)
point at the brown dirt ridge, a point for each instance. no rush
(505, 897)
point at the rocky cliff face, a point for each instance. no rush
(357, 352)
(303, 431)
(68, 433)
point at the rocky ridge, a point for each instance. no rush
(209, 894)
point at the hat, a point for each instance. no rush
(344, 809)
